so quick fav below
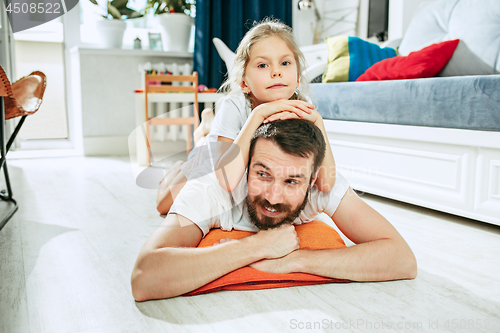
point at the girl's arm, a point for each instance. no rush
(326, 174)
(233, 161)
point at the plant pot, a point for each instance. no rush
(111, 32)
(175, 31)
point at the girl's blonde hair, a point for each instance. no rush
(261, 30)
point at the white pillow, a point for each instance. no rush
(474, 22)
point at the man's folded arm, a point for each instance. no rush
(380, 253)
(169, 264)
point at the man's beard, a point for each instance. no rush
(267, 222)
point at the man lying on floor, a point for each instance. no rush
(277, 194)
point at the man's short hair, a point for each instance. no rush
(296, 137)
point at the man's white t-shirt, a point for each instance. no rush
(209, 206)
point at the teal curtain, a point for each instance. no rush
(228, 20)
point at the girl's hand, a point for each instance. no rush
(281, 116)
(313, 116)
(299, 108)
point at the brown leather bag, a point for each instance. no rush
(24, 96)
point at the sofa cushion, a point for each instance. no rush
(349, 57)
(465, 62)
(418, 64)
(466, 102)
(475, 23)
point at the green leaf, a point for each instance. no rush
(134, 15)
(164, 6)
(119, 4)
(130, 13)
(94, 2)
(114, 12)
(126, 11)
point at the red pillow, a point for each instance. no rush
(418, 64)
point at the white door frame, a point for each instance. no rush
(73, 145)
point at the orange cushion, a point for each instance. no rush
(315, 235)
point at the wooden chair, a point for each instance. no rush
(21, 99)
(164, 88)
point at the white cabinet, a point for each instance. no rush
(487, 190)
(455, 171)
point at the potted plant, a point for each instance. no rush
(112, 26)
(175, 21)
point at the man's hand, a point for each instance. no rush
(280, 240)
(277, 242)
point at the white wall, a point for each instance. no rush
(304, 21)
(400, 14)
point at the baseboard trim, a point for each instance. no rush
(119, 146)
(106, 146)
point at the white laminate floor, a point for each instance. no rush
(67, 254)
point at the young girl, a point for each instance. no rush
(265, 84)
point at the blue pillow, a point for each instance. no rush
(349, 57)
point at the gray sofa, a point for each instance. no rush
(468, 102)
(434, 142)
(456, 99)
